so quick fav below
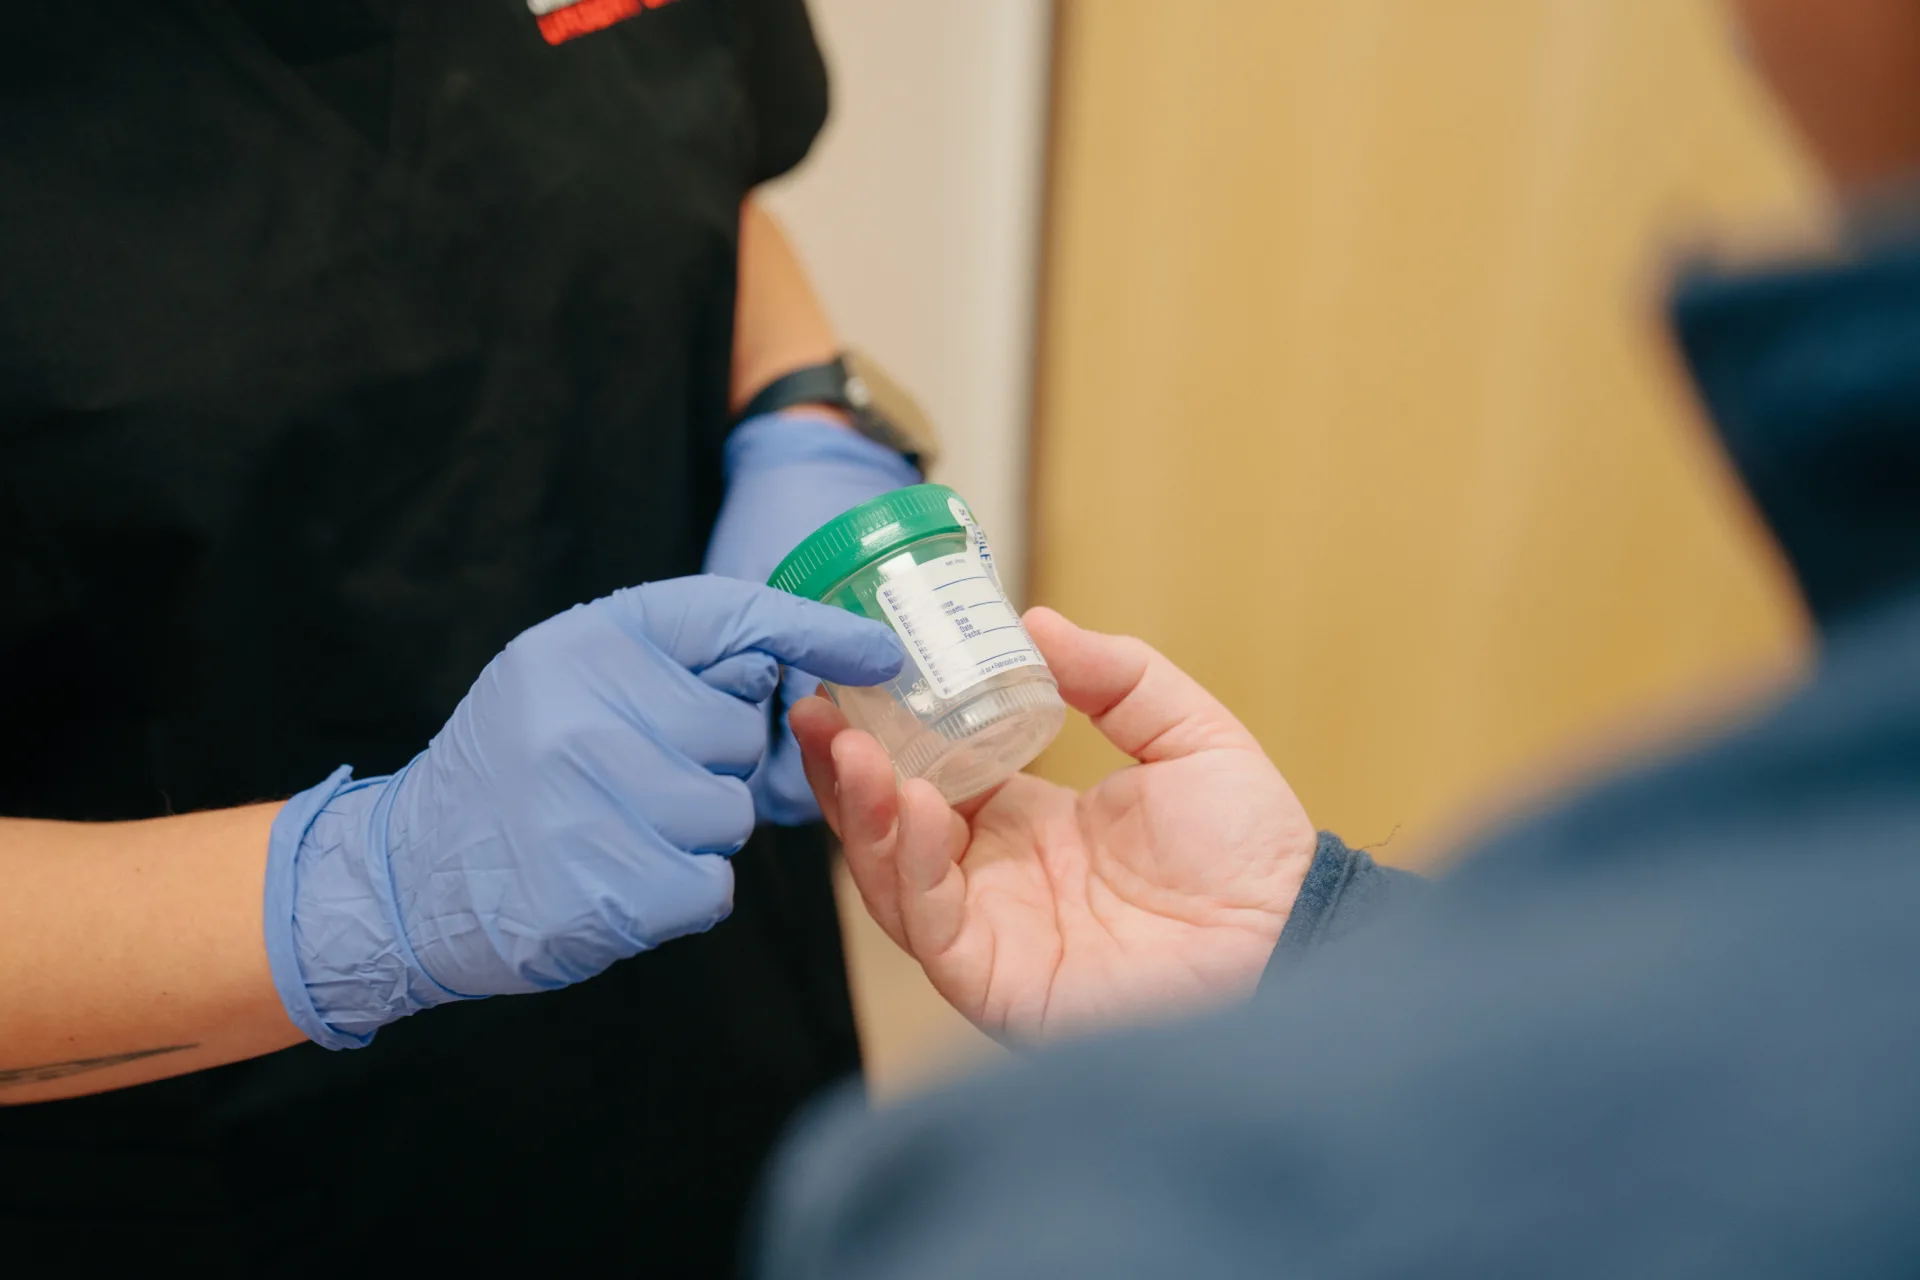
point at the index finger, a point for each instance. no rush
(704, 620)
(816, 722)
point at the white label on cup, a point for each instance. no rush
(975, 537)
(956, 623)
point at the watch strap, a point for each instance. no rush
(875, 406)
(815, 384)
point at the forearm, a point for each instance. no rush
(788, 470)
(130, 951)
(779, 324)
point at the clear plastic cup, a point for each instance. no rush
(975, 702)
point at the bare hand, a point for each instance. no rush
(1035, 909)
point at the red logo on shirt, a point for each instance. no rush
(564, 20)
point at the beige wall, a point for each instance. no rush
(1352, 395)
(918, 215)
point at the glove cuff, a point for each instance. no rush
(290, 827)
(339, 956)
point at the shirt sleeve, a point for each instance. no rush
(785, 79)
(1345, 890)
(1057, 1169)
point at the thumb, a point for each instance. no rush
(1146, 706)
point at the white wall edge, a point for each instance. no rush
(919, 216)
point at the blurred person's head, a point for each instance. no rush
(1848, 73)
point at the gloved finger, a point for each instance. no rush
(698, 805)
(780, 791)
(716, 728)
(1146, 706)
(699, 621)
(751, 677)
(730, 738)
(795, 685)
(703, 813)
(814, 723)
(669, 896)
(727, 825)
(674, 709)
(587, 670)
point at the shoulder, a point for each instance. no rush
(785, 78)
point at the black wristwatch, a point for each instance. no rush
(875, 404)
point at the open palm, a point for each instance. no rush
(1038, 909)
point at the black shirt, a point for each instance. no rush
(341, 340)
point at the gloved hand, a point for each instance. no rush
(789, 473)
(576, 809)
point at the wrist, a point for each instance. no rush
(816, 412)
(788, 473)
(761, 367)
(814, 437)
(340, 957)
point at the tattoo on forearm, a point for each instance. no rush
(11, 1077)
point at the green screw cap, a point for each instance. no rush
(865, 535)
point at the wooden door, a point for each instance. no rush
(1353, 396)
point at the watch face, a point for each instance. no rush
(856, 392)
(887, 413)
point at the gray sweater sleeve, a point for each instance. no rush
(1004, 1177)
(1344, 890)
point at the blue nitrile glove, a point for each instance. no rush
(788, 473)
(575, 810)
